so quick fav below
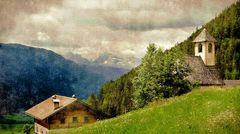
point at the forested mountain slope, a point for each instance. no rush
(226, 29)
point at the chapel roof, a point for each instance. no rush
(204, 36)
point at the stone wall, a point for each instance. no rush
(202, 74)
(232, 82)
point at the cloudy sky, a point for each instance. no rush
(94, 27)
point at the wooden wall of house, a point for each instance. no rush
(74, 115)
(39, 129)
(43, 123)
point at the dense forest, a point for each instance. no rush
(226, 29)
(117, 97)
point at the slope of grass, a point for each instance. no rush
(209, 110)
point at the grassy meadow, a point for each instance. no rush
(206, 110)
(16, 123)
(11, 128)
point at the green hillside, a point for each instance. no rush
(212, 109)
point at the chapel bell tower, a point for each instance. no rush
(205, 47)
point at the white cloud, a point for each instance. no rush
(42, 36)
(90, 27)
(129, 52)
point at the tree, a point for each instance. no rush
(161, 75)
(27, 128)
(93, 101)
(145, 83)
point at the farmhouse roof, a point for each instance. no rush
(204, 75)
(46, 107)
(204, 36)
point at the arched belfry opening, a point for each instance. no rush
(199, 48)
(210, 48)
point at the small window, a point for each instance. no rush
(209, 48)
(200, 48)
(86, 119)
(74, 119)
(62, 120)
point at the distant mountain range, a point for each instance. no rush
(29, 75)
(106, 60)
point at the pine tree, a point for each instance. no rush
(92, 101)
